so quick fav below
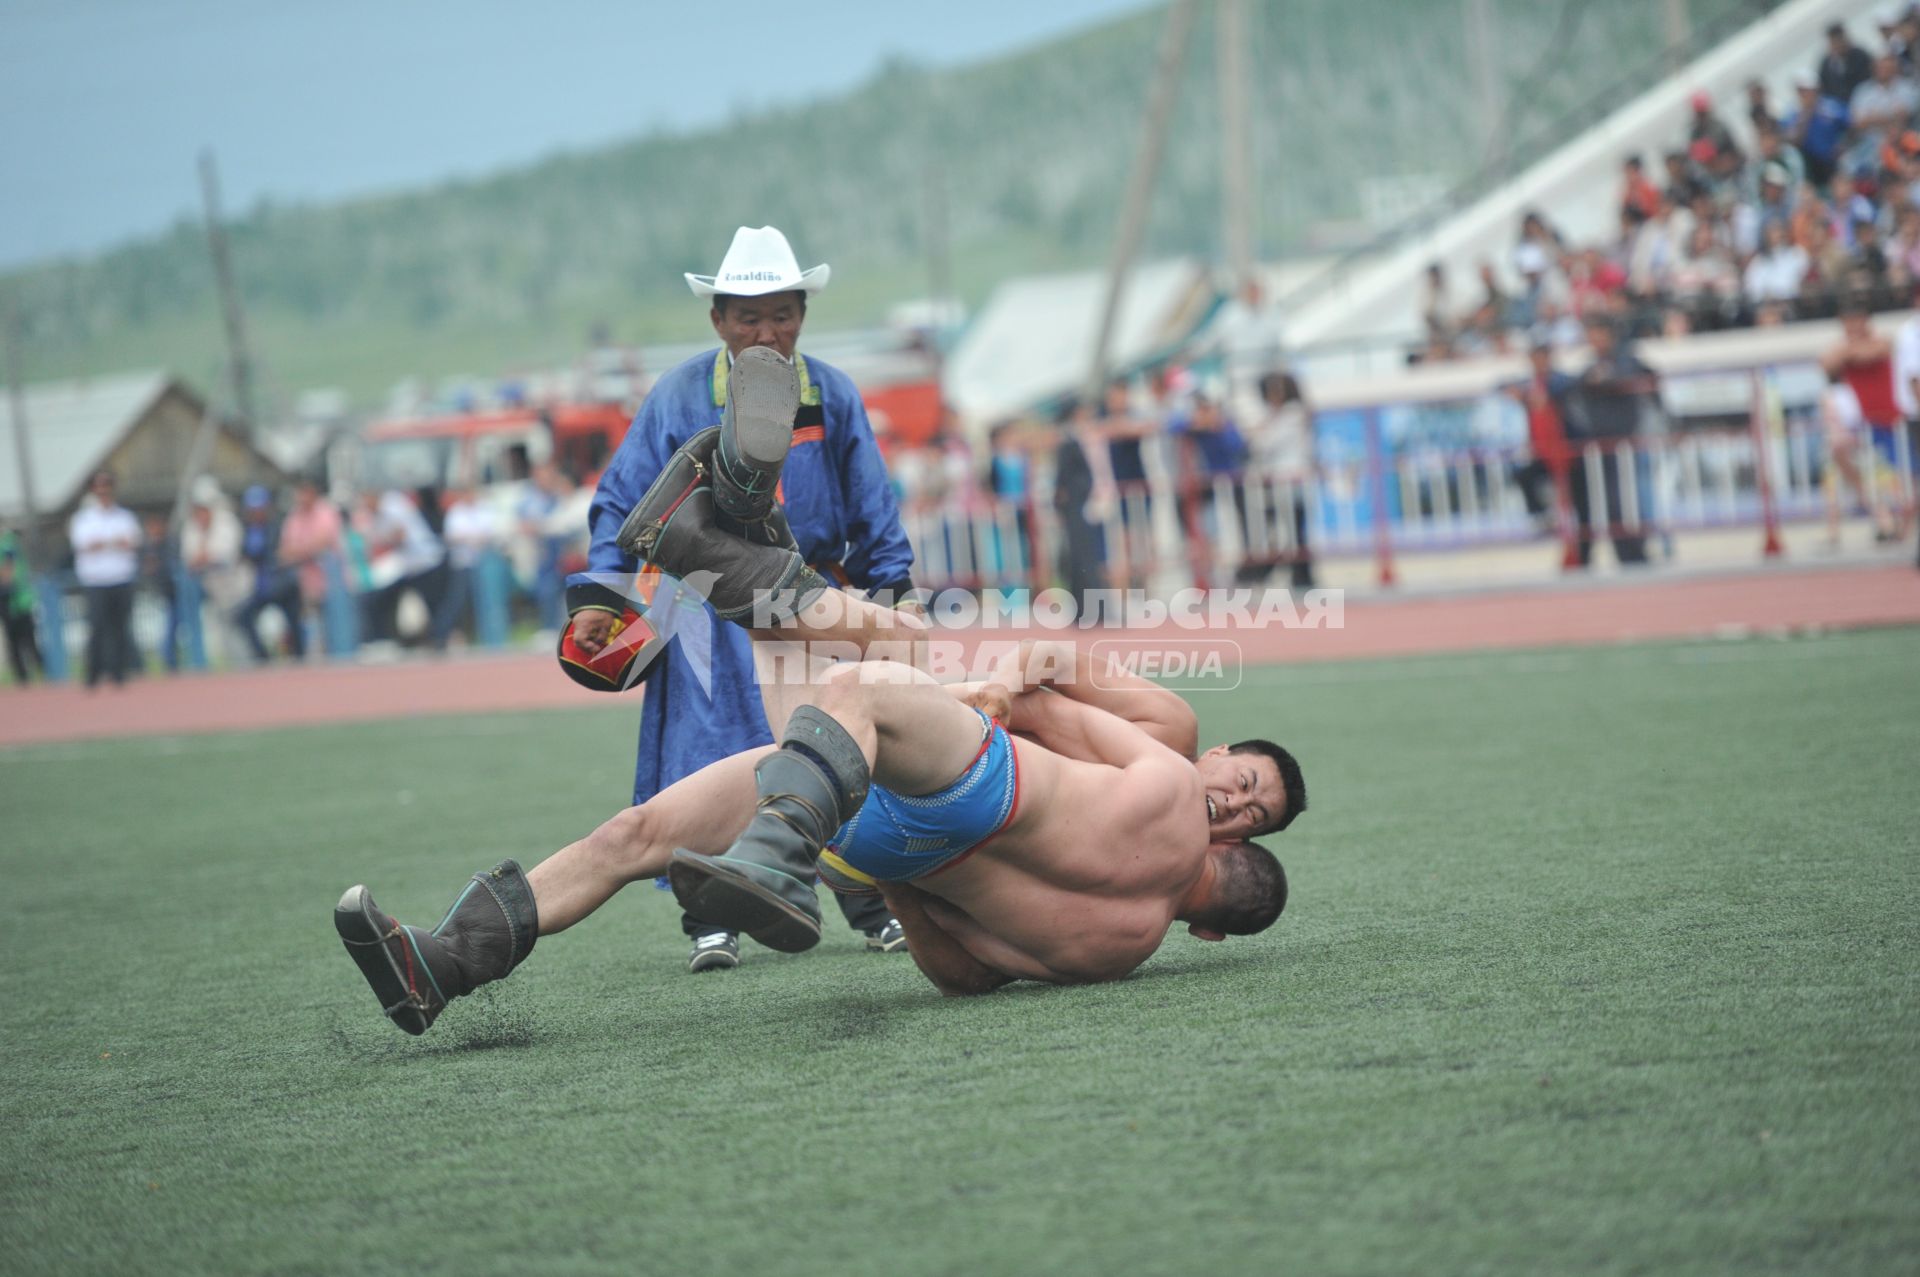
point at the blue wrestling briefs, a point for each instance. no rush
(900, 837)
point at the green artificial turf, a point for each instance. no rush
(1597, 961)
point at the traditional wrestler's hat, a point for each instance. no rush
(760, 261)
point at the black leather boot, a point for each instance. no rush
(674, 526)
(763, 397)
(763, 884)
(489, 931)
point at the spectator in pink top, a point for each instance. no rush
(309, 534)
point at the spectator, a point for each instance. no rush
(1707, 127)
(1535, 230)
(1899, 170)
(545, 494)
(1844, 67)
(1842, 427)
(106, 544)
(274, 585)
(1865, 360)
(1211, 448)
(1594, 283)
(1903, 39)
(1009, 481)
(1773, 276)
(1643, 252)
(1543, 291)
(1816, 127)
(1683, 183)
(1867, 265)
(1826, 266)
(1703, 279)
(159, 573)
(1890, 22)
(1774, 151)
(210, 553)
(1879, 108)
(1280, 453)
(1544, 395)
(402, 554)
(1605, 405)
(1127, 432)
(1213, 436)
(1904, 252)
(17, 609)
(1774, 200)
(1759, 110)
(471, 531)
(1636, 191)
(310, 539)
(1683, 222)
(1437, 307)
(1725, 174)
(1080, 457)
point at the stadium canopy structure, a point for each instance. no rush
(1031, 342)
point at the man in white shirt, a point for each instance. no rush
(106, 558)
(403, 554)
(470, 530)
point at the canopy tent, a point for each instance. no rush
(1033, 341)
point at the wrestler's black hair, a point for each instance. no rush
(1249, 894)
(720, 300)
(1290, 779)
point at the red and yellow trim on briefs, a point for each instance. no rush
(832, 859)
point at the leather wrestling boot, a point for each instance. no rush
(674, 526)
(489, 931)
(763, 884)
(763, 397)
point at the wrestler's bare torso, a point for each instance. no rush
(1084, 881)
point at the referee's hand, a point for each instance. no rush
(590, 629)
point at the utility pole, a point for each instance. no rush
(1236, 150)
(22, 447)
(239, 363)
(1479, 37)
(1679, 33)
(1146, 166)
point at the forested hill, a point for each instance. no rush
(1030, 153)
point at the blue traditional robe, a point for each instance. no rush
(843, 515)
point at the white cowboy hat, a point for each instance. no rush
(759, 261)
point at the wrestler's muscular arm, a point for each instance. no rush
(1098, 682)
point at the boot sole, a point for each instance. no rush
(763, 396)
(709, 892)
(372, 951)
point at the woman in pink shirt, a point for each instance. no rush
(309, 534)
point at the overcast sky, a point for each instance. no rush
(104, 104)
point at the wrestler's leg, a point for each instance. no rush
(915, 737)
(703, 813)
(493, 924)
(791, 673)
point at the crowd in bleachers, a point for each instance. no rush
(272, 575)
(1169, 435)
(1820, 203)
